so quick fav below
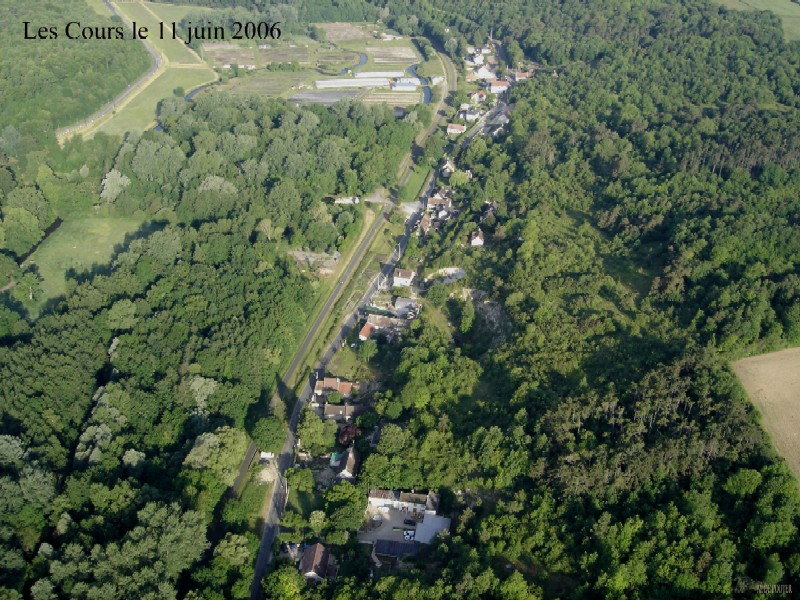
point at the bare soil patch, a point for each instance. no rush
(772, 382)
(300, 55)
(399, 99)
(340, 32)
(229, 54)
(326, 97)
(391, 54)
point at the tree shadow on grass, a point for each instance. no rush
(88, 274)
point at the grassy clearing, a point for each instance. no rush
(411, 190)
(249, 506)
(437, 318)
(175, 50)
(140, 113)
(772, 382)
(303, 503)
(78, 244)
(788, 11)
(344, 363)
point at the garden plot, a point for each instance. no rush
(398, 99)
(298, 54)
(392, 55)
(342, 32)
(227, 54)
(326, 97)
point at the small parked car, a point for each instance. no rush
(411, 522)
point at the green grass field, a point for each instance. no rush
(410, 191)
(175, 50)
(303, 503)
(140, 113)
(78, 244)
(344, 363)
(788, 11)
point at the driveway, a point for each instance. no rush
(386, 531)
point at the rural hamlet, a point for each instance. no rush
(390, 299)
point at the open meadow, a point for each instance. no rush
(140, 112)
(772, 382)
(78, 244)
(788, 11)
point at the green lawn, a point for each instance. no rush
(78, 244)
(788, 11)
(411, 190)
(344, 363)
(175, 50)
(140, 113)
(436, 317)
(303, 503)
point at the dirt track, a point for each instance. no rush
(773, 383)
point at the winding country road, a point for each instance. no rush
(286, 457)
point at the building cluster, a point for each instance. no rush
(399, 525)
(343, 412)
(397, 81)
(482, 66)
(438, 207)
(400, 522)
(391, 314)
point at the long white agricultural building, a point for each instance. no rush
(373, 82)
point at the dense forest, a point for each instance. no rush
(46, 84)
(127, 406)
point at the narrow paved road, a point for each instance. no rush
(286, 457)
